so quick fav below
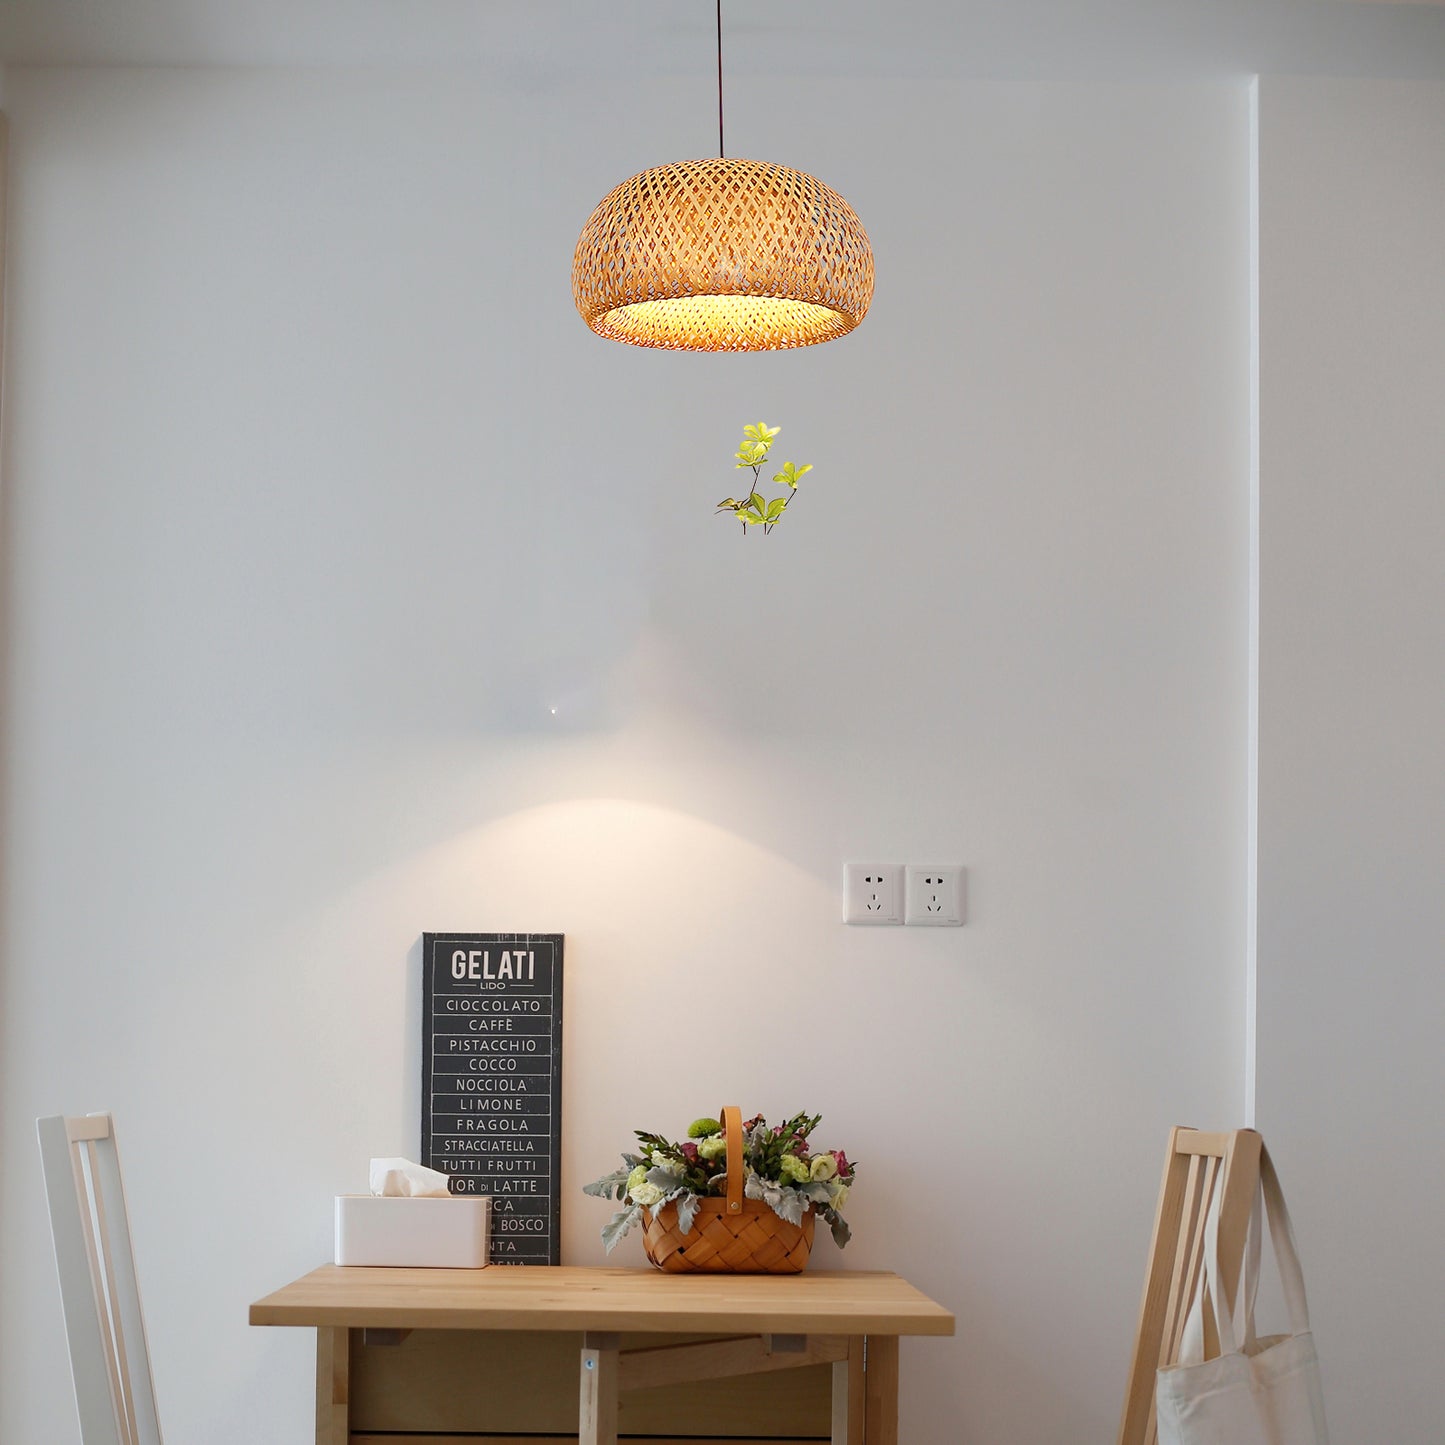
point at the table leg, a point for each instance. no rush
(333, 1386)
(598, 1412)
(848, 1396)
(881, 1404)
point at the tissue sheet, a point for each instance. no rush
(395, 1178)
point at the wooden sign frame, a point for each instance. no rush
(491, 1081)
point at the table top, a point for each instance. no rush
(566, 1297)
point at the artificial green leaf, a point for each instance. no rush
(728, 504)
(757, 501)
(750, 517)
(806, 467)
(775, 508)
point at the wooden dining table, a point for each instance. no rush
(538, 1355)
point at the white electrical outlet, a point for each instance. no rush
(872, 893)
(934, 895)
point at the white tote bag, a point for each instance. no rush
(1260, 1391)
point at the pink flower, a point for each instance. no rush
(690, 1152)
(844, 1167)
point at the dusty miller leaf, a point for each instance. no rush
(687, 1205)
(609, 1185)
(619, 1224)
(787, 1204)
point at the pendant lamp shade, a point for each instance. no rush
(723, 255)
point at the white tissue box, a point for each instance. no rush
(454, 1232)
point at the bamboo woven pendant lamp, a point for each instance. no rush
(722, 255)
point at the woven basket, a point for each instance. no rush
(731, 1235)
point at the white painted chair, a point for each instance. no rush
(109, 1361)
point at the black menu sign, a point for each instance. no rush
(491, 1080)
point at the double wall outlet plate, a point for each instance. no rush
(930, 894)
(934, 895)
(872, 893)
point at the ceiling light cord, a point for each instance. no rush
(720, 150)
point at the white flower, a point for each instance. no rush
(840, 1196)
(645, 1194)
(825, 1167)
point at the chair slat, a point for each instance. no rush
(105, 1331)
(142, 1393)
(85, 1193)
(1179, 1274)
(117, 1354)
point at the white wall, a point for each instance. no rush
(1352, 714)
(321, 497)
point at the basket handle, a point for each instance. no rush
(732, 1122)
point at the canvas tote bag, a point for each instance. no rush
(1258, 1391)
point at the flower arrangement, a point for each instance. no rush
(781, 1169)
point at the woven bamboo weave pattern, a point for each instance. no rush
(723, 255)
(753, 1242)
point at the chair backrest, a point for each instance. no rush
(1195, 1167)
(109, 1361)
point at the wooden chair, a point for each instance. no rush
(109, 1361)
(1195, 1167)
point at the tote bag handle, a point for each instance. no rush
(1281, 1233)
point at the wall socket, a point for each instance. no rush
(872, 893)
(933, 895)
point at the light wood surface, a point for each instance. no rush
(333, 1386)
(572, 1298)
(647, 1368)
(1196, 1165)
(438, 1355)
(849, 1396)
(600, 1394)
(880, 1377)
(449, 1382)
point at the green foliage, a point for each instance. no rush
(694, 1174)
(766, 1147)
(756, 510)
